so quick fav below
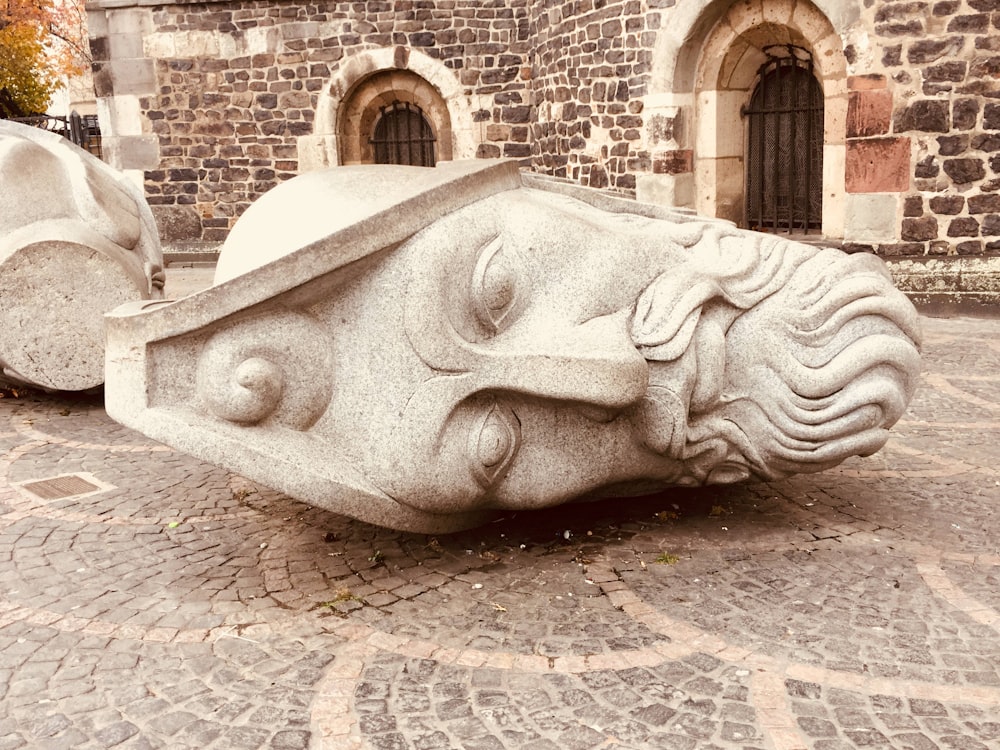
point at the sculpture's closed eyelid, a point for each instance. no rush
(493, 286)
(494, 439)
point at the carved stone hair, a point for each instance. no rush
(812, 360)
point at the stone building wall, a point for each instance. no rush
(942, 64)
(213, 103)
(591, 72)
(224, 91)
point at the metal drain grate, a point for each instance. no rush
(60, 487)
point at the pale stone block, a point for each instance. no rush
(120, 115)
(834, 195)
(129, 21)
(871, 217)
(828, 55)
(465, 142)
(125, 45)
(421, 348)
(261, 41)
(159, 45)
(835, 119)
(729, 140)
(196, 44)
(707, 119)
(317, 152)
(301, 30)
(137, 152)
(133, 76)
(746, 15)
(704, 184)
(668, 102)
(841, 13)
(778, 12)
(740, 66)
(674, 190)
(729, 188)
(97, 23)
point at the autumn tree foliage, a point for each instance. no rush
(41, 41)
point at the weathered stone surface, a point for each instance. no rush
(454, 341)
(177, 223)
(926, 115)
(964, 226)
(947, 204)
(919, 230)
(76, 240)
(927, 167)
(878, 165)
(869, 112)
(963, 171)
(984, 204)
(964, 113)
(913, 205)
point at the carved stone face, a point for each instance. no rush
(488, 360)
(520, 353)
(416, 348)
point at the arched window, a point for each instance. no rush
(784, 162)
(402, 135)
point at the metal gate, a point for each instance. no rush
(785, 146)
(83, 130)
(403, 136)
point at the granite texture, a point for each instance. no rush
(419, 348)
(76, 240)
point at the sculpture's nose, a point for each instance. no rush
(593, 362)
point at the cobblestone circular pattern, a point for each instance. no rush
(173, 605)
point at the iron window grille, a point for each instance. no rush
(403, 136)
(784, 168)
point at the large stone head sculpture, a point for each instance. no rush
(419, 348)
(76, 240)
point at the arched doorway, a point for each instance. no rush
(707, 81)
(784, 159)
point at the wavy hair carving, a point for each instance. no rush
(805, 356)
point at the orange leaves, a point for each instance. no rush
(40, 41)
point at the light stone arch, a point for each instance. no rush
(676, 51)
(426, 81)
(705, 70)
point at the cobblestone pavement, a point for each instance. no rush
(153, 601)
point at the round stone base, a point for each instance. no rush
(53, 296)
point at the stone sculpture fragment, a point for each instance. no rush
(77, 239)
(422, 348)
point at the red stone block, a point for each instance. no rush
(878, 165)
(866, 83)
(869, 113)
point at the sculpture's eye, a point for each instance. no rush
(493, 441)
(494, 286)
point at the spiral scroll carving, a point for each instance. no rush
(274, 368)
